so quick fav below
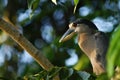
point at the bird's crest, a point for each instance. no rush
(85, 21)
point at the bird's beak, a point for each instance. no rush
(67, 35)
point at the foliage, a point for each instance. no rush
(64, 74)
(54, 1)
(46, 21)
(76, 3)
(33, 5)
(113, 57)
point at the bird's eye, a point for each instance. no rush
(74, 25)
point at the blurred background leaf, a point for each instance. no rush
(64, 73)
(55, 2)
(43, 23)
(32, 6)
(3, 37)
(113, 56)
(75, 3)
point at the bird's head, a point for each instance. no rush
(78, 26)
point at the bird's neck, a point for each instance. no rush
(86, 43)
(83, 36)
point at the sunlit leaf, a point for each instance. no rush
(76, 3)
(102, 77)
(32, 5)
(82, 63)
(113, 52)
(55, 2)
(3, 37)
(84, 75)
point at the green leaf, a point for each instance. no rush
(54, 71)
(33, 4)
(113, 52)
(55, 2)
(84, 75)
(76, 3)
(64, 74)
(102, 77)
(82, 63)
(30, 3)
(48, 52)
(3, 37)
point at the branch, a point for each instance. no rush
(25, 44)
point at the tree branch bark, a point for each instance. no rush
(25, 44)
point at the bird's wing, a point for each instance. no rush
(101, 44)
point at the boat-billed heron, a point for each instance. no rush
(92, 42)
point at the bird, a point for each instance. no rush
(92, 42)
